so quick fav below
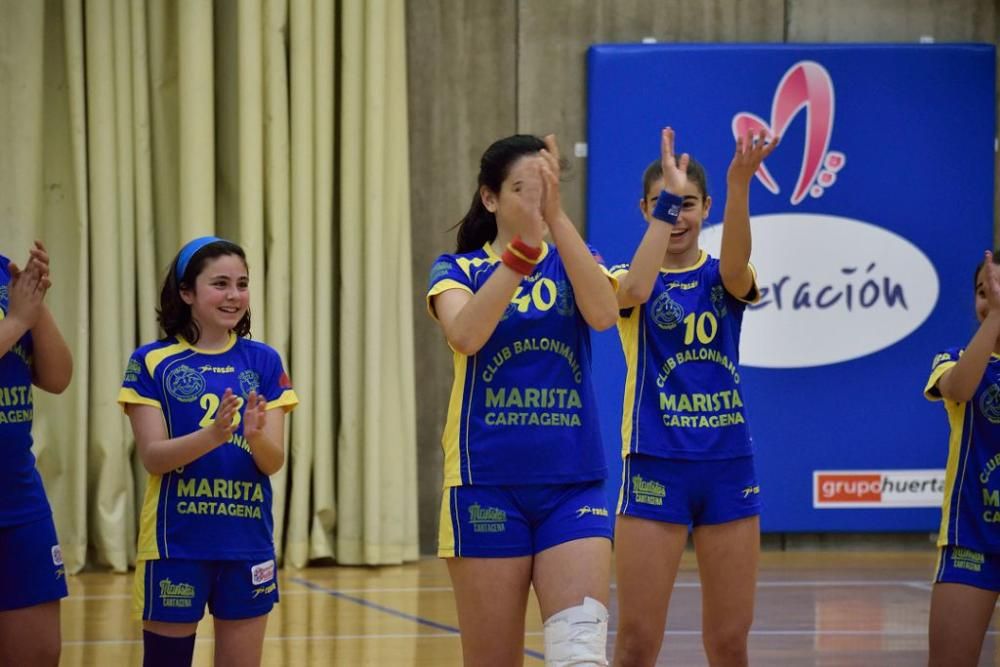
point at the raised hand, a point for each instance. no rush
(226, 416)
(674, 171)
(255, 416)
(529, 194)
(551, 171)
(25, 295)
(991, 282)
(750, 153)
(38, 260)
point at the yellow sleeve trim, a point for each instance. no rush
(443, 286)
(288, 400)
(931, 391)
(753, 296)
(129, 396)
(612, 277)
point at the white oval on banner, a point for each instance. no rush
(834, 289)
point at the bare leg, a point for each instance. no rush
(728, 554)
(492, 596)
(647, 555)
(40, 623)
(239, 642)
(960, 616)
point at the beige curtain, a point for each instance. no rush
(130, 126)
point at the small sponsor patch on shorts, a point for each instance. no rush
(57, 555)
(262, 572)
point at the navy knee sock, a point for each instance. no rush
(161, 651)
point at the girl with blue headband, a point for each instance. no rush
(32, 577)
(207, 408)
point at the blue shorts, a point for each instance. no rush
(31, 565)
(958, 565)
(175, 590)
(509, 521)
(692, 493)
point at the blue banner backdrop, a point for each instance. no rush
(867, 221)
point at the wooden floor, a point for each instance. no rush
(813, 608)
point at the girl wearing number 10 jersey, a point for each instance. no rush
(688, 457)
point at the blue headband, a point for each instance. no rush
(189, 250)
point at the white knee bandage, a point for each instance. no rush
(577, 636)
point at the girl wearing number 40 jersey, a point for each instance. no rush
(967, 579)
(207, 408)
(523, 501)
(688, 456)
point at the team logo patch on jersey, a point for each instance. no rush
(565, 303)
(56, 555)
(941, 358)
(4, 296)
(185, 384)
(262, 572)
(666, 312)
(249, 381)
(439, 271)
(989, 404)
(719, 300)
(133, 370)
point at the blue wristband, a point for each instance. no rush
(668, 207)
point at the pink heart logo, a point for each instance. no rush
(805, 86)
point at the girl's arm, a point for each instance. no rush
(734, 256)
(468, 320)
(594, 293)
(959, 382)
(53, 366)
(635, 286)
(159, 454)
(24, 305)
(265, 433)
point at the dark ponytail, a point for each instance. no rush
(479, 226)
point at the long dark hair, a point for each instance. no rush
(173, 314)
(695, 173)
(479, 226)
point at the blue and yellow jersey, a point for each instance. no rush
(970, 516)
(522, 409)
(218, 507)
(683, 397)
(22, 497)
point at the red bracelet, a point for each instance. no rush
(524, 250)
(522, 266)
